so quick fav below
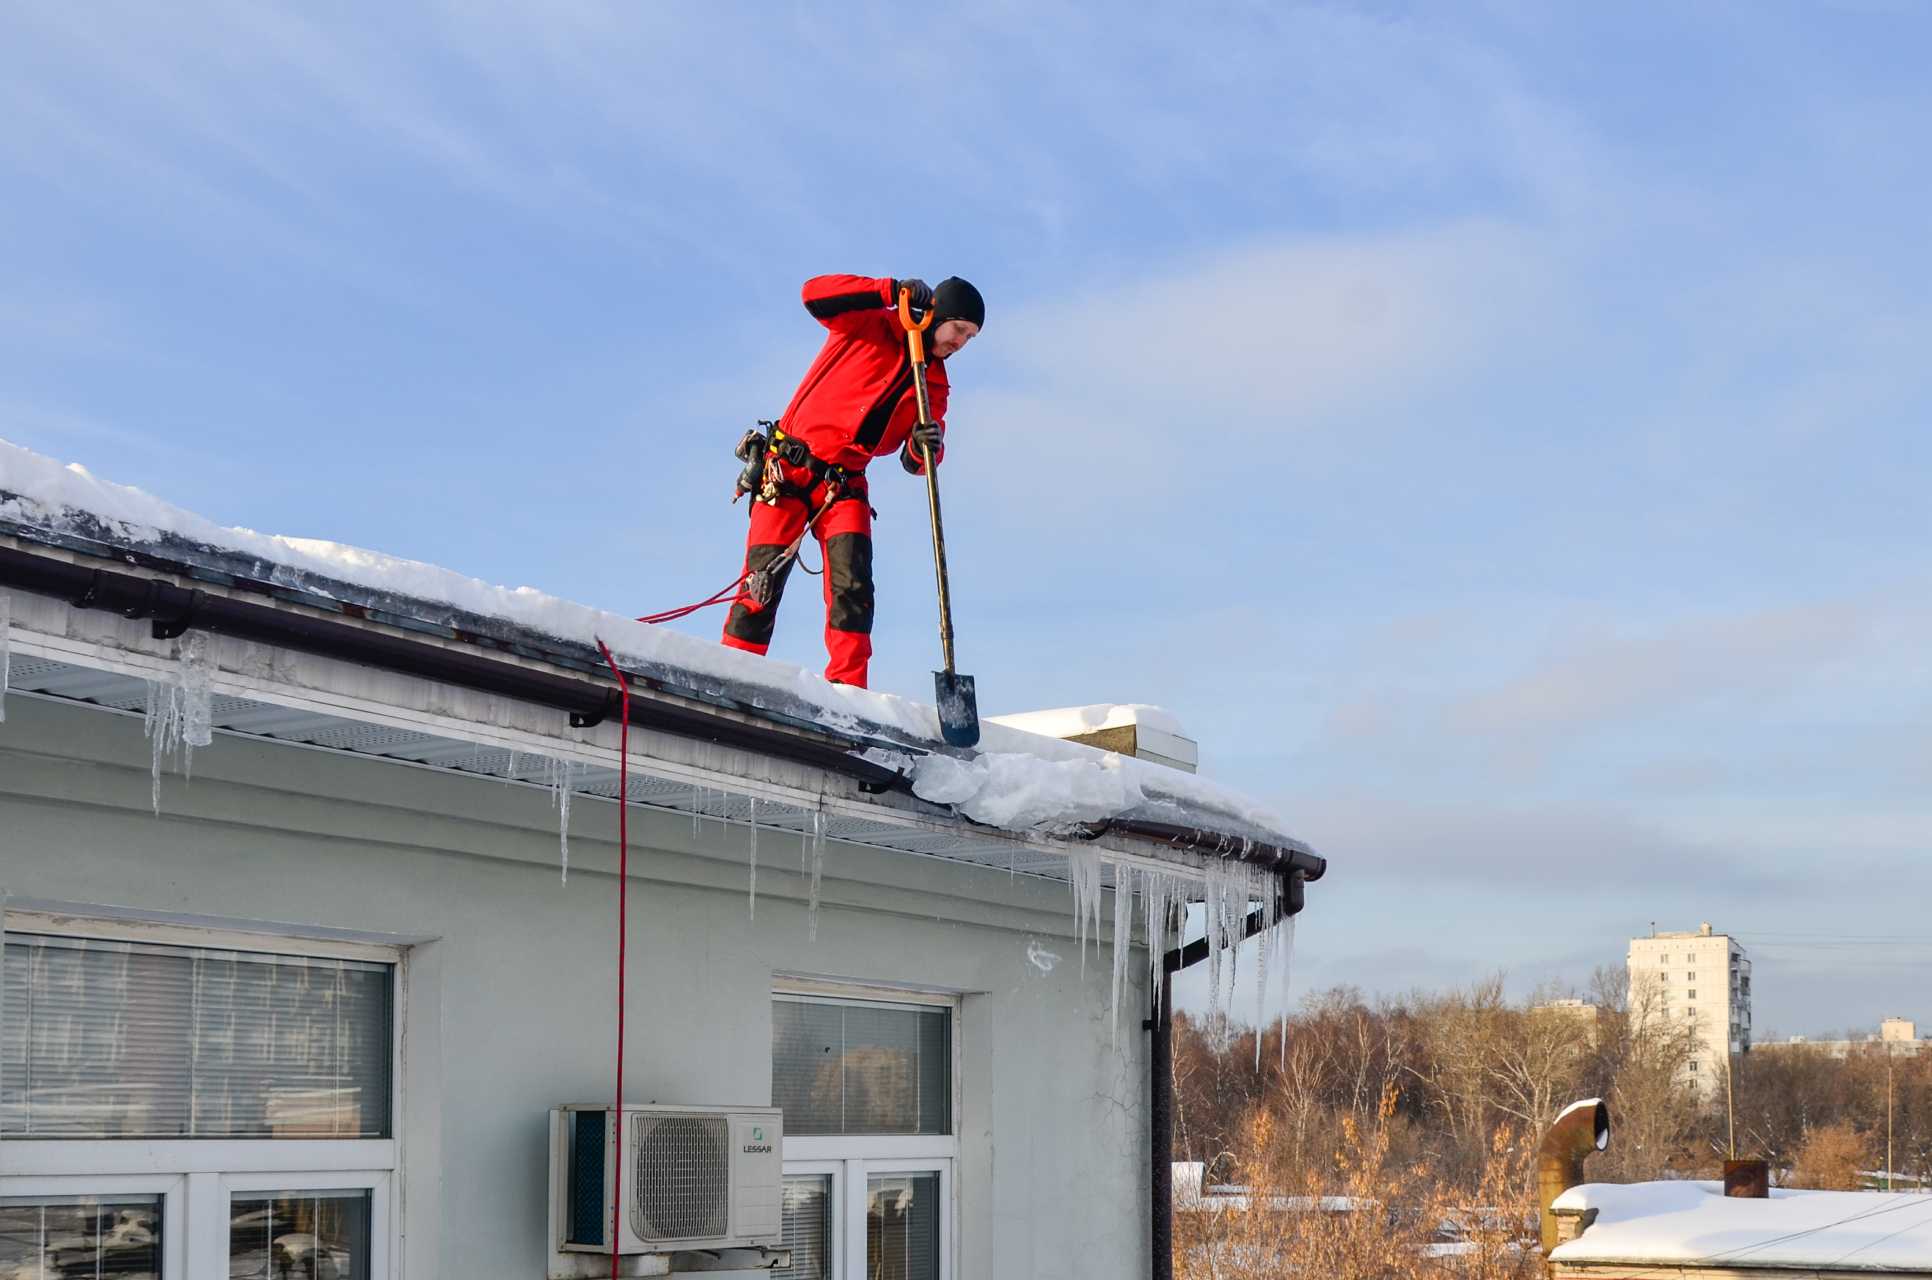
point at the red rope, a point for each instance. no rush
(623, 921)
(726, 594)
(716, 597)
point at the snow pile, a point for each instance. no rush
(1004, 789)
(1026, 779)
(1694, 1222)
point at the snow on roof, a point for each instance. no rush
(1016, 780)
(1694, 1222)
(1068, 722)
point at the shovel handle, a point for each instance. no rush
(915, 333)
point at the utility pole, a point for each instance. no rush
(1888, 1115)
(1730, 1099)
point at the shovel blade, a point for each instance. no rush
(958, 704)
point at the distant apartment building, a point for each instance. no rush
(1579, 1016)
(1702, 979)
(1897, 1036)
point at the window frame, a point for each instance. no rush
(851, 1160)
(169, 1188)
(836, 1228)
(197, 1177)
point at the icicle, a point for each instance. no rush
(1158, 893)
(6, 651)
(1226, 892)
(753, 883)
(562, 780)
(1123, 935)
(197, 697)
(1265, 947)
(818, 868)
(1083, 878)
(161, 724)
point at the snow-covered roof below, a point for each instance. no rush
(1687, 1223)
(1017, 780)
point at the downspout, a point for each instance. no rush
(1581, 1128)
(1160, 1070)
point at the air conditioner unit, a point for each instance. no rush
(692, 1178)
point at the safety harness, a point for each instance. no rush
(765, 454)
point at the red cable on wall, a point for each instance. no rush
(623, 920)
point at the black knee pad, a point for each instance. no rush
(848, 566)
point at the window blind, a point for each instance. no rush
(841, 1067)
(136, 1040)
(902, 1227)
(807, 1227)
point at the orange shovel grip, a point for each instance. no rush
(915, 332)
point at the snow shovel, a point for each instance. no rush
(953, 694)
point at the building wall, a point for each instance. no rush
(512, 986)
(1704, 979)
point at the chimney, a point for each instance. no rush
(1747, 1179)
(1128, 729)
(1582, 1127)
(1704, 929)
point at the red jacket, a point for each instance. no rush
(857, 402)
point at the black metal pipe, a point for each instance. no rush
(171, 607)
(1160, 1114)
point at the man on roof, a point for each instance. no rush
(855, 404)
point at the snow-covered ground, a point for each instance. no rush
(1682, 1222)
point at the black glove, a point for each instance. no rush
(911, 458)
(921, 292)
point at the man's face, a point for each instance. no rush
(951, 336)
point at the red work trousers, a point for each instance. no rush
(844, 536)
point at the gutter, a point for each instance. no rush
(1285, 860)
(1160, 1073)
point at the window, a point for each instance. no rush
(180, 1103)
(902, 1226)
(52, 1236)
(1692, 993)
(852, 1068)
(305, 1233)
(806, 1211)
(115, 1039)
(867, 1083)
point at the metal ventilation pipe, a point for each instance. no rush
(1581, 1128)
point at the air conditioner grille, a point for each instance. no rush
(683, 1177)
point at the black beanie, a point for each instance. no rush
(956, 299)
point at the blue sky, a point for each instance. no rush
(1499, 434)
